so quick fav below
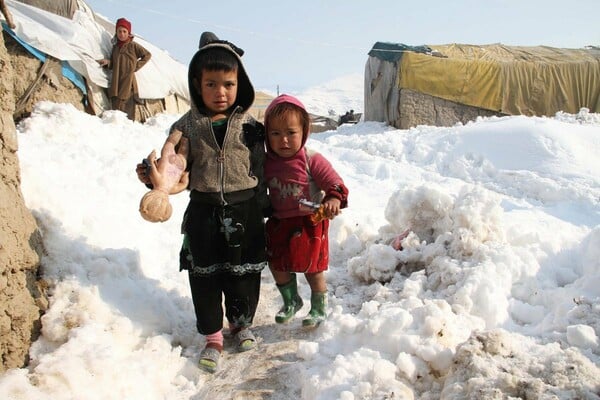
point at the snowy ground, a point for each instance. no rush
(494, 296)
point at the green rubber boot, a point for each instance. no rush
(292, 302)
(317, 314)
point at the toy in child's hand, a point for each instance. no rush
(167, 176)
(317, 208)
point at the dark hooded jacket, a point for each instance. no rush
(236, 166)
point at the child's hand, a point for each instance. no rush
(103, 63)
(182, 184)
(153, 174)
(140, 170)
(331, 207)
(147, 169)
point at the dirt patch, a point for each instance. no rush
(272, 370)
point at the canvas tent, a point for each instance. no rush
(69, 31)
(440, 85)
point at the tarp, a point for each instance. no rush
(511, 80)
(64, 8)
(81, 41)
(393, 52)
(66, 69)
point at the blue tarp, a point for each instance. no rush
(67, 71)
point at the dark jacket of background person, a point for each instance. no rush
(124, 62)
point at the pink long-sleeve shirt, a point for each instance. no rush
(288, 181)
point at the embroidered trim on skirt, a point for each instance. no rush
(223, 239)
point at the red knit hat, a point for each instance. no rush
(124, 23)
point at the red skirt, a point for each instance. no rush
(297, 245)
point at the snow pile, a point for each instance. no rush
(495, 292)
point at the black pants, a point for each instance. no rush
(241, 299)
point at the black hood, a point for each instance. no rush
(245, 93)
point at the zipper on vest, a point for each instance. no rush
(221, 156)
(221, 162)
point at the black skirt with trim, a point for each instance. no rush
(223, 239)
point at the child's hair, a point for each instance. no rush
(155, 206)
(281, 109)
(215, 59)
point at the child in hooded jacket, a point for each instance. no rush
(297, 242)
(126, 59)
(223, 247)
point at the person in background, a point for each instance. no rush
(126, 59)
(7, 15)
(348, 117)
(224, 239)
(297, 239)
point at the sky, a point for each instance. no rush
(291, 46)
(495, 292)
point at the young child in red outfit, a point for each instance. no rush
(296, 241)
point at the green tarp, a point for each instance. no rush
(392, 52)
